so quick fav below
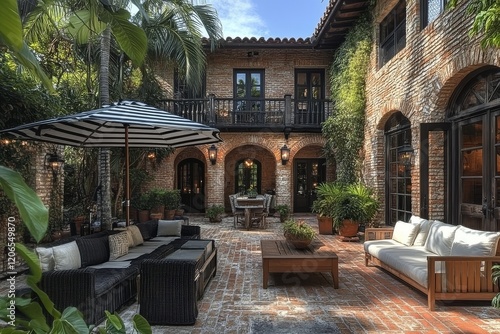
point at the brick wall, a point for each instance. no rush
(419, 82)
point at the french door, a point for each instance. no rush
(308, 173)
(479, 172)
(191, 183)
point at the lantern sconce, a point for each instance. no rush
(212, 154)
(405, 154)
(285, 154)
(53, 162)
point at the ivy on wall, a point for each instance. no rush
(344, 130)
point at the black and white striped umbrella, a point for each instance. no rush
(124, 124)
(147, 126)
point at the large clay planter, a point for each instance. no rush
(349, 228)
(156, 215)
(143, 216)
(325, 225)
(169, 214)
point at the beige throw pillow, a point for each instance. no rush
(118, 245)
(136, 235)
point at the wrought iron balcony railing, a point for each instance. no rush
(231, 114)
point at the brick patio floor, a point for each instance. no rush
(369, 300)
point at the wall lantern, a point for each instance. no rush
(405, 154)
(212, 154)
(53, 162)
(285, 154)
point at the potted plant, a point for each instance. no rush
(348, 205)
(284, 212)
(156, 197)
(326, 193)
(172, 201)
(298, 232)
(214, 213)
(143, 205)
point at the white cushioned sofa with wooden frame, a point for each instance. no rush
(444, 261)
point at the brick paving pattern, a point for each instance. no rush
(368, 300)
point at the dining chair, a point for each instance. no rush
(265, 212)
(236, 212)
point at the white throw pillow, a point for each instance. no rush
(440, 238)
(469, 242)
(168, 228)
(423, 231)
(46, 258)
(118, 245)
(405, 233)
(67, 256)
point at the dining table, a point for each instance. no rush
(251, 206)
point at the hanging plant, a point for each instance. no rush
(344, 130)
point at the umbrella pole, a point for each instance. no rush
(127, 180)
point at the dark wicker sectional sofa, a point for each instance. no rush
(108, 285)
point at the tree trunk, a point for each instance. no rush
(104, 154)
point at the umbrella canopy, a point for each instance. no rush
(124, 124)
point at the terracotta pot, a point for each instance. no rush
(298, 243)
(143, 216)
(325, 225)
(156, 215)
(169, 214)
(349, 228)
(179, 212)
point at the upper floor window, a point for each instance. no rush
(392, 33)
(430, 9)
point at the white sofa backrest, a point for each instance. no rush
(469, 242)
(440, 238)
(423, 231)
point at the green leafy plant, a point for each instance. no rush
(283, 210)
(344, 130)
(142, 202)
(214, 212)
(495, 274)
(172, 199)
(354, 201)
(29, 313)
(299, 229)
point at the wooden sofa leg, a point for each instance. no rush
(431, 302)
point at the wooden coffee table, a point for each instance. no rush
(278, 256)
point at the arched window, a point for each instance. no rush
(248, 175)
(398, 191)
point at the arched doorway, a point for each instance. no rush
(248, 165)
(475, 115)
(191, 182)
(398, 175)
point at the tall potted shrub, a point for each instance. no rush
(172, 201)
(327, 193)
(143, 205)
(347, 205)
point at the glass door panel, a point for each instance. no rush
(308, 174)
(190, 181)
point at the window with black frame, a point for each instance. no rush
(392, 33)
(430, 10)
(399, 186)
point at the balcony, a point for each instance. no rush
(229, 114)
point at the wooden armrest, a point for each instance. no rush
(378, 233)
